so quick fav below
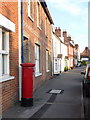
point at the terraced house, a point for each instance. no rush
(38, 39)
(70, 45)
(76, 55)
(26, 37)
(8, 55)
(56, 51)
(30, 23)
(60, 52)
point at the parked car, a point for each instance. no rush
(86, 80)
(79, 65)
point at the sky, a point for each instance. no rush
(71, 16)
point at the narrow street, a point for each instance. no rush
(67, 104)
(43, 43)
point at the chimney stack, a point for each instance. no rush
(76, 46)
(58, 31)
(69, 38)
(86, 48)
(65, 34)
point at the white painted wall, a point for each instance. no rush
(56, 66)
(56, 51)
(75, 62)
(64, 53)
(77, 54)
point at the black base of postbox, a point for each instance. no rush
(27, 102)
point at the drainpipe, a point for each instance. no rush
(52, 54)
(22, 30)
(60, 58)
(20, 43)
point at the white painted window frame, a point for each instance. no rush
(29, 15)
(5, 52)
(8, 26)
(37, 60)
(46, 26)
(47, 60)
(38, 24)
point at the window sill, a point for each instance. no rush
(6, 78)
(47, 70)
(38, 74)
(39, 27)
(31, 18)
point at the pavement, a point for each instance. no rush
(67, 104)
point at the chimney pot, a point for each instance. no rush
(58, 31)
(69, 38)
(64, 34)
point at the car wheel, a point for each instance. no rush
(86, 92)
(83, 88)
(83, 85)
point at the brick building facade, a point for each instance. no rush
(38, 36)
(37, 47)
(8, 54)
(70, 46)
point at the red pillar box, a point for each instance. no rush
(27, 84)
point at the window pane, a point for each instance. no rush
(46, 26)
(31, 8)
(47, 60)
(4, 64)
(38, 53)
(35, 52)
(28, 7)
(26, 50)
(4, 57)
(37, 58)
(38, 15)
(3, 41)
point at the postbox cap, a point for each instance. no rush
(27, 65)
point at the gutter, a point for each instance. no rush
(44, 5)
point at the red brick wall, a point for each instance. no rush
(10, 88)
(71, 55)
(0, 99)
(34, 34)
